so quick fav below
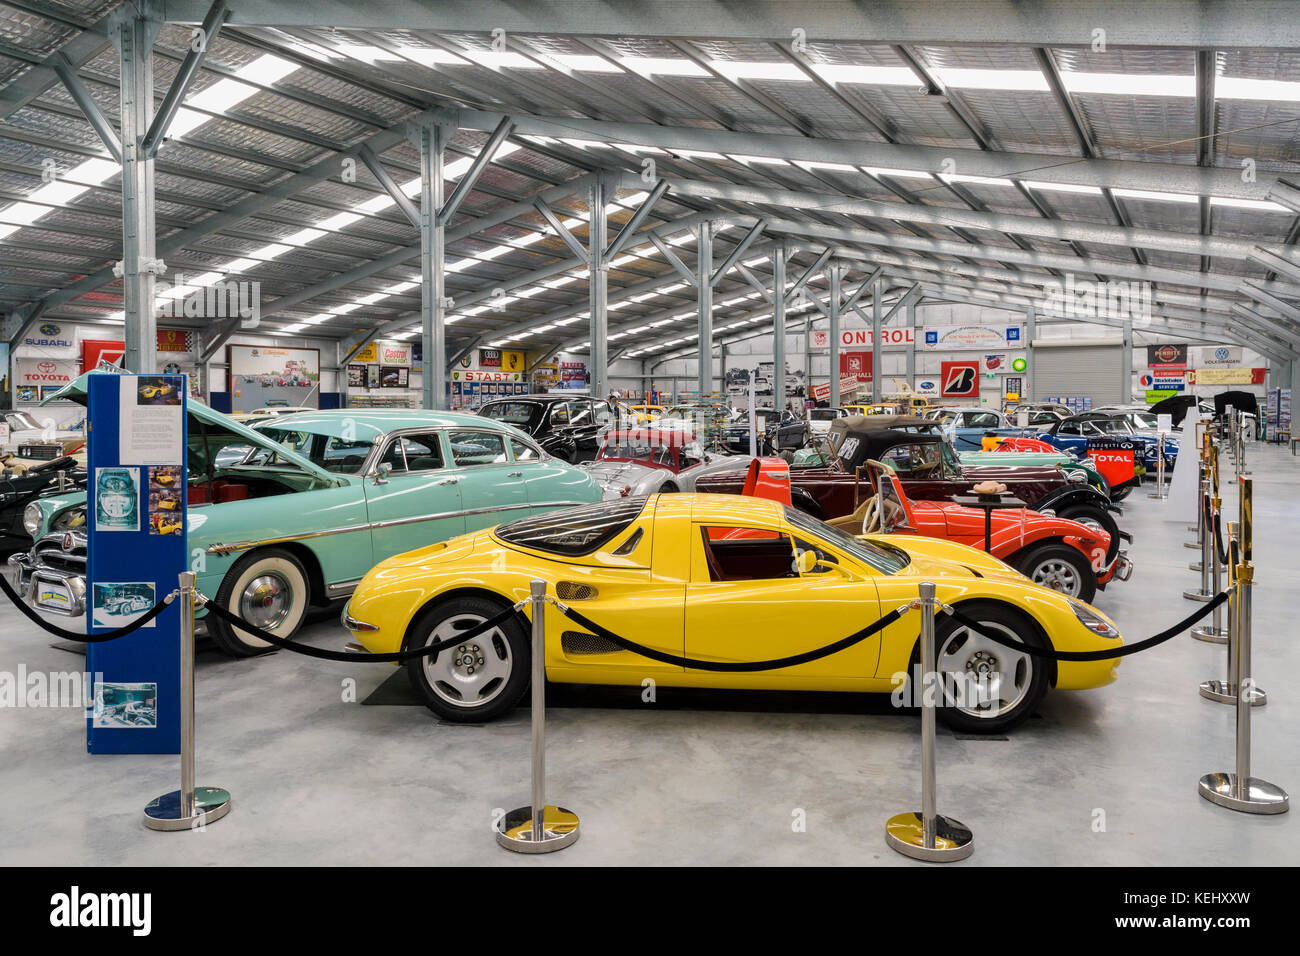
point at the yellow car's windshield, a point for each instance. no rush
(887, 562)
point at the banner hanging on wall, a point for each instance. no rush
(857, 366)
(1220, 356)
(961, 379)
(262, 377)
(1169, 355)
(958, 338)
(1225, 376)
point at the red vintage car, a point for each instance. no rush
(929, 471)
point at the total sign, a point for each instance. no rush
(960, 379)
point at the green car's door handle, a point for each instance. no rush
(449, 481)
(514, 474)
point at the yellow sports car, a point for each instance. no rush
(720, 578)
(150, 392)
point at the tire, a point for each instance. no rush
(444, 681)
(1098, 517)
(1023, 680)
(1060, 567)
(669, 489)
(1119, 494)
(269, 588)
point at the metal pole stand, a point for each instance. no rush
(926, 835)
(1239, 790)
(190, 807)
(1203, 593)
(1160, 469)
(551, 828)
(1214, 632)
(1225, 691)
(1203, 470)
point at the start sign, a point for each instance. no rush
(1114, 459)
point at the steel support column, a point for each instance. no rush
(433, 272)
(704, 286)
(911, 345)
(1126, 365)
(877, 355)
(1030, 334)
(598, 286)
(778, 327)
(833, 276)
(133, 36)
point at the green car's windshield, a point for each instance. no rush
(887, 562)
(339, 455)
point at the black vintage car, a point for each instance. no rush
(776, 432)
(19, 490)
(568, 427)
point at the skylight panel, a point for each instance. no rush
(896, 173)
(1248, 88)
(585, 63)
(1132, 84)
(1063, 187)
(866, 75)
(981, 79)
(662, 66)
(759, 70)
(501, 59)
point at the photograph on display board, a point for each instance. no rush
(261, 376)
(49, 391)
(117, 499)
(158, 390)
(125, 706)
(118, 603)
(372, 376)
(165, 506)
(394, 376)
(356, 376)
(28, 393)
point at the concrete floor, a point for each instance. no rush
(696, 778)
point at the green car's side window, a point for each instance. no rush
(414, 453)
(476, 448)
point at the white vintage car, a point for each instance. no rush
(647, 460)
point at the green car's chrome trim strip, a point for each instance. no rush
(224, 549)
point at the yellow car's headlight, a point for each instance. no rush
(1093, 621)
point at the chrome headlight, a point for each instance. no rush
(1076, 476)
(1092, 620)
(32, 519)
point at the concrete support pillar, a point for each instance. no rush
(911, 346)
(1031, 333)
(877, 372)
(598, 287)
(1126, 365)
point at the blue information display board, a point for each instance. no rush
(136, 550)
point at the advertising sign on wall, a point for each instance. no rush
(261, 376)
(489, 358)
(857, 366)
(960, 379)
(573, 375)
(483, 375)
(50, 339)
(39, 371)
(1171, 381)
(1168, 355)
(102, 353)
(174, 340)
(1220, 356)
(949, 338)
(394, 354)
(996, 362)
(367, 354)
(1225, 376)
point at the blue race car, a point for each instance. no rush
(1073, 434)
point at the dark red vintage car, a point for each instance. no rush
(930, 471)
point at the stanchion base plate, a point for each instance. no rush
(210, 805)
(515, 830)
(1221, 692)
(1210, 634)
(1198, 595)
(952, 840)
(1258, 796)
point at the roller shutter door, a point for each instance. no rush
(1079, 368)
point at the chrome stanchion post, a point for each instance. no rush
(927, 835)
(538, 828)
(1203, 593)
(1202, 470)
(1239, 790)
(190, 807)
(1160, 468)
(1214, 632)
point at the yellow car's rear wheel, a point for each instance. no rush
(475, 681)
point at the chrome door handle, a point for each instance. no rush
(514, 474)
(449, 481)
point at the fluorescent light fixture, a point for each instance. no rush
(981, 79)
(1062, 187)
(748, 160)
(866, 75)
(807, 164)
(501, 59)
(428, 56)
(1247, 88)
(584, 63)
(662, 66)
(759, 70)
(368, 54)
(896, 173)
(978, 180)
(1261, 205)
(1157, 196)
(584, 143)
(1132, 84)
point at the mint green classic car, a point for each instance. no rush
(294, 513)
(1034, 459)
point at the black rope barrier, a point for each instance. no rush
(1214, 519)
(397, 657)
(742, 666)
(1122, 651)
(67, 635)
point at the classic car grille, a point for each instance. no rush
(48, 553)
(578, 644)
(571, 591)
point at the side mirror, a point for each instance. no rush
(806, 561)
(381, 473)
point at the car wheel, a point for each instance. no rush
(988, 688)
(269, 589)
(1119, 494)
(1059, 567)
(479, 680)
(669, 488)
(1094, 516)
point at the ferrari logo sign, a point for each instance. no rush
(960, 380)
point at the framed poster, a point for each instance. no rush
(394, 376)
(356, 376)
(372, 376)
(262, 376)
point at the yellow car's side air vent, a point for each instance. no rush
(572, 591)
(578, 644)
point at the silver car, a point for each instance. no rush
(644, 461)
